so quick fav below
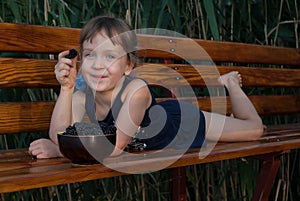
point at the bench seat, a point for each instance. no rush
(20, 171)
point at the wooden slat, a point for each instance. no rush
(172, 75)
(282, 130)
(32, 73)
(35, 116)
(27, 73)
(31, 173)
(18, 117)
(272, 105)
(265, 105)
(37, 39)
(33, 38)
(217, 51)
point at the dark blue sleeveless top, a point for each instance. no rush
(171, 123)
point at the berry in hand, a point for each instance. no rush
(72, 54)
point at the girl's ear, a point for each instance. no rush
(129, 68)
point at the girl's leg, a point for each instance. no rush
(245, 123)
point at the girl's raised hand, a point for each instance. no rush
(65, 70)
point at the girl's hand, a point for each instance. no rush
(116, 152)
(65, 71)
(44, 148)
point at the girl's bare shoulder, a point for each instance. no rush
(137, 86)
(137, 89)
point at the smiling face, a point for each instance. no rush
(103, 63)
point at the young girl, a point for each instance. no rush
(115, 98)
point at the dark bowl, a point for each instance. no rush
(86, 149)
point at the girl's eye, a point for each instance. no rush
(90, 54)
(110, 57)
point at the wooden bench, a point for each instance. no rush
(266, 71)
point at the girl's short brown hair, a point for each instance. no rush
(119, 32)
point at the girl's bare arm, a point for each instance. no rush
(65, 71)
(136, 101)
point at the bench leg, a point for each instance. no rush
(266, 177)
(179, 184)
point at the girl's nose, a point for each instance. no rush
(99, 64)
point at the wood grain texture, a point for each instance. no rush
(265, 105)
(39, 73)
(34, 38)
(22, 173)
(27, 73)
(18, 117)
(173, 75)
(195, 49)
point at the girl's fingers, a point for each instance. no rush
(67, 62)
(36, 152)
(62, 69)
(65, 69)
(63, 54)
(62, 58)
(63, 73)
(34, 147)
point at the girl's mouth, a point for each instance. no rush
(99, 77)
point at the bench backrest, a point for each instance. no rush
(263, 68)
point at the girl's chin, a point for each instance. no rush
(97, 86)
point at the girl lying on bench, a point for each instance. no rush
(116, 98)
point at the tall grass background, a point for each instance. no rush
(265, 22)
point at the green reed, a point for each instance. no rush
(269, 22)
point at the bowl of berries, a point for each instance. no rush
(87, 143)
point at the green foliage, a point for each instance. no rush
(271, 22)
(209, 8)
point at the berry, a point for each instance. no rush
(83, 128)
(71, 130)
(72, 54)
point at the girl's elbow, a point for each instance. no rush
(257, 131)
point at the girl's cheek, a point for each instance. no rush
(84, 68)
(85, 64)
